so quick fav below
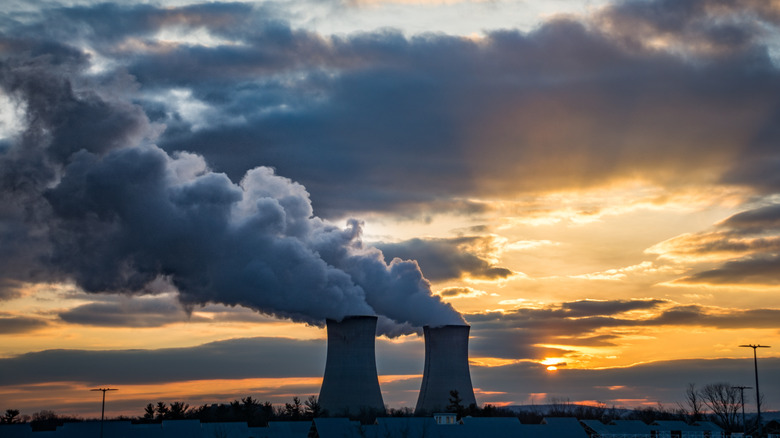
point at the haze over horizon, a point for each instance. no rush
(189, 189)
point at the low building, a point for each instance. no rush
(658, 429)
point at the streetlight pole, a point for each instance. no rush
(103, 409)
(742, 401)
(758, 394)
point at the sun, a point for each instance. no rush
(553, 363)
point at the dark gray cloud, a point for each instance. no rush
(145, 312)
(230, 359)
(754, 270)
(107, 23)
(108, 310)
(759, 220)
(556, 319)
(15, 324)
(459, 292)
(455, 292)
(460, 119)
(9, 289)
(457, 118)
(735, 319)
(699, 27)
(448, 259)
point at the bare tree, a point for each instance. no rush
(560, 407)
(693, 404)
(723, 400)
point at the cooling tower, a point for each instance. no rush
(446, 368)
(350, 385)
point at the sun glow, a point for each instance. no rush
(553, 363)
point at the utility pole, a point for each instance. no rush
(758, 395)
(103, 409)
(742, 401)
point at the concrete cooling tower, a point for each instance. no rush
(350, 384)
(446, 368)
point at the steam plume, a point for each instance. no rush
(103, 206)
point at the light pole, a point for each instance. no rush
(758, 395)
(103, 409)
(742, 401)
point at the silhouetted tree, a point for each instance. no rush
(313, 408)
(400, 412)
(178, 410)
(149, 412)
(294, 410)
(45, 420)
(455, 403)
(162, 410)
(250, 404)
(266, 413)
(11, 416)
(724, 402)
(693, 405)
(251, 413)
(44, 415)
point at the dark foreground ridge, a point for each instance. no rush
(445, 425)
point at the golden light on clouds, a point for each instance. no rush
(492, 361)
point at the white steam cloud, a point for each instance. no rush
(115, 213)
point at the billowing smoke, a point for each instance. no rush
(99, 204)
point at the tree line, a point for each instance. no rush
(717, 402)
(248, 409)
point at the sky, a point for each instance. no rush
(189, 190)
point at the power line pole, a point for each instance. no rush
(758, 395)
(103, 409)
(742, 401)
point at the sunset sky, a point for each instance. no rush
(187, 191)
